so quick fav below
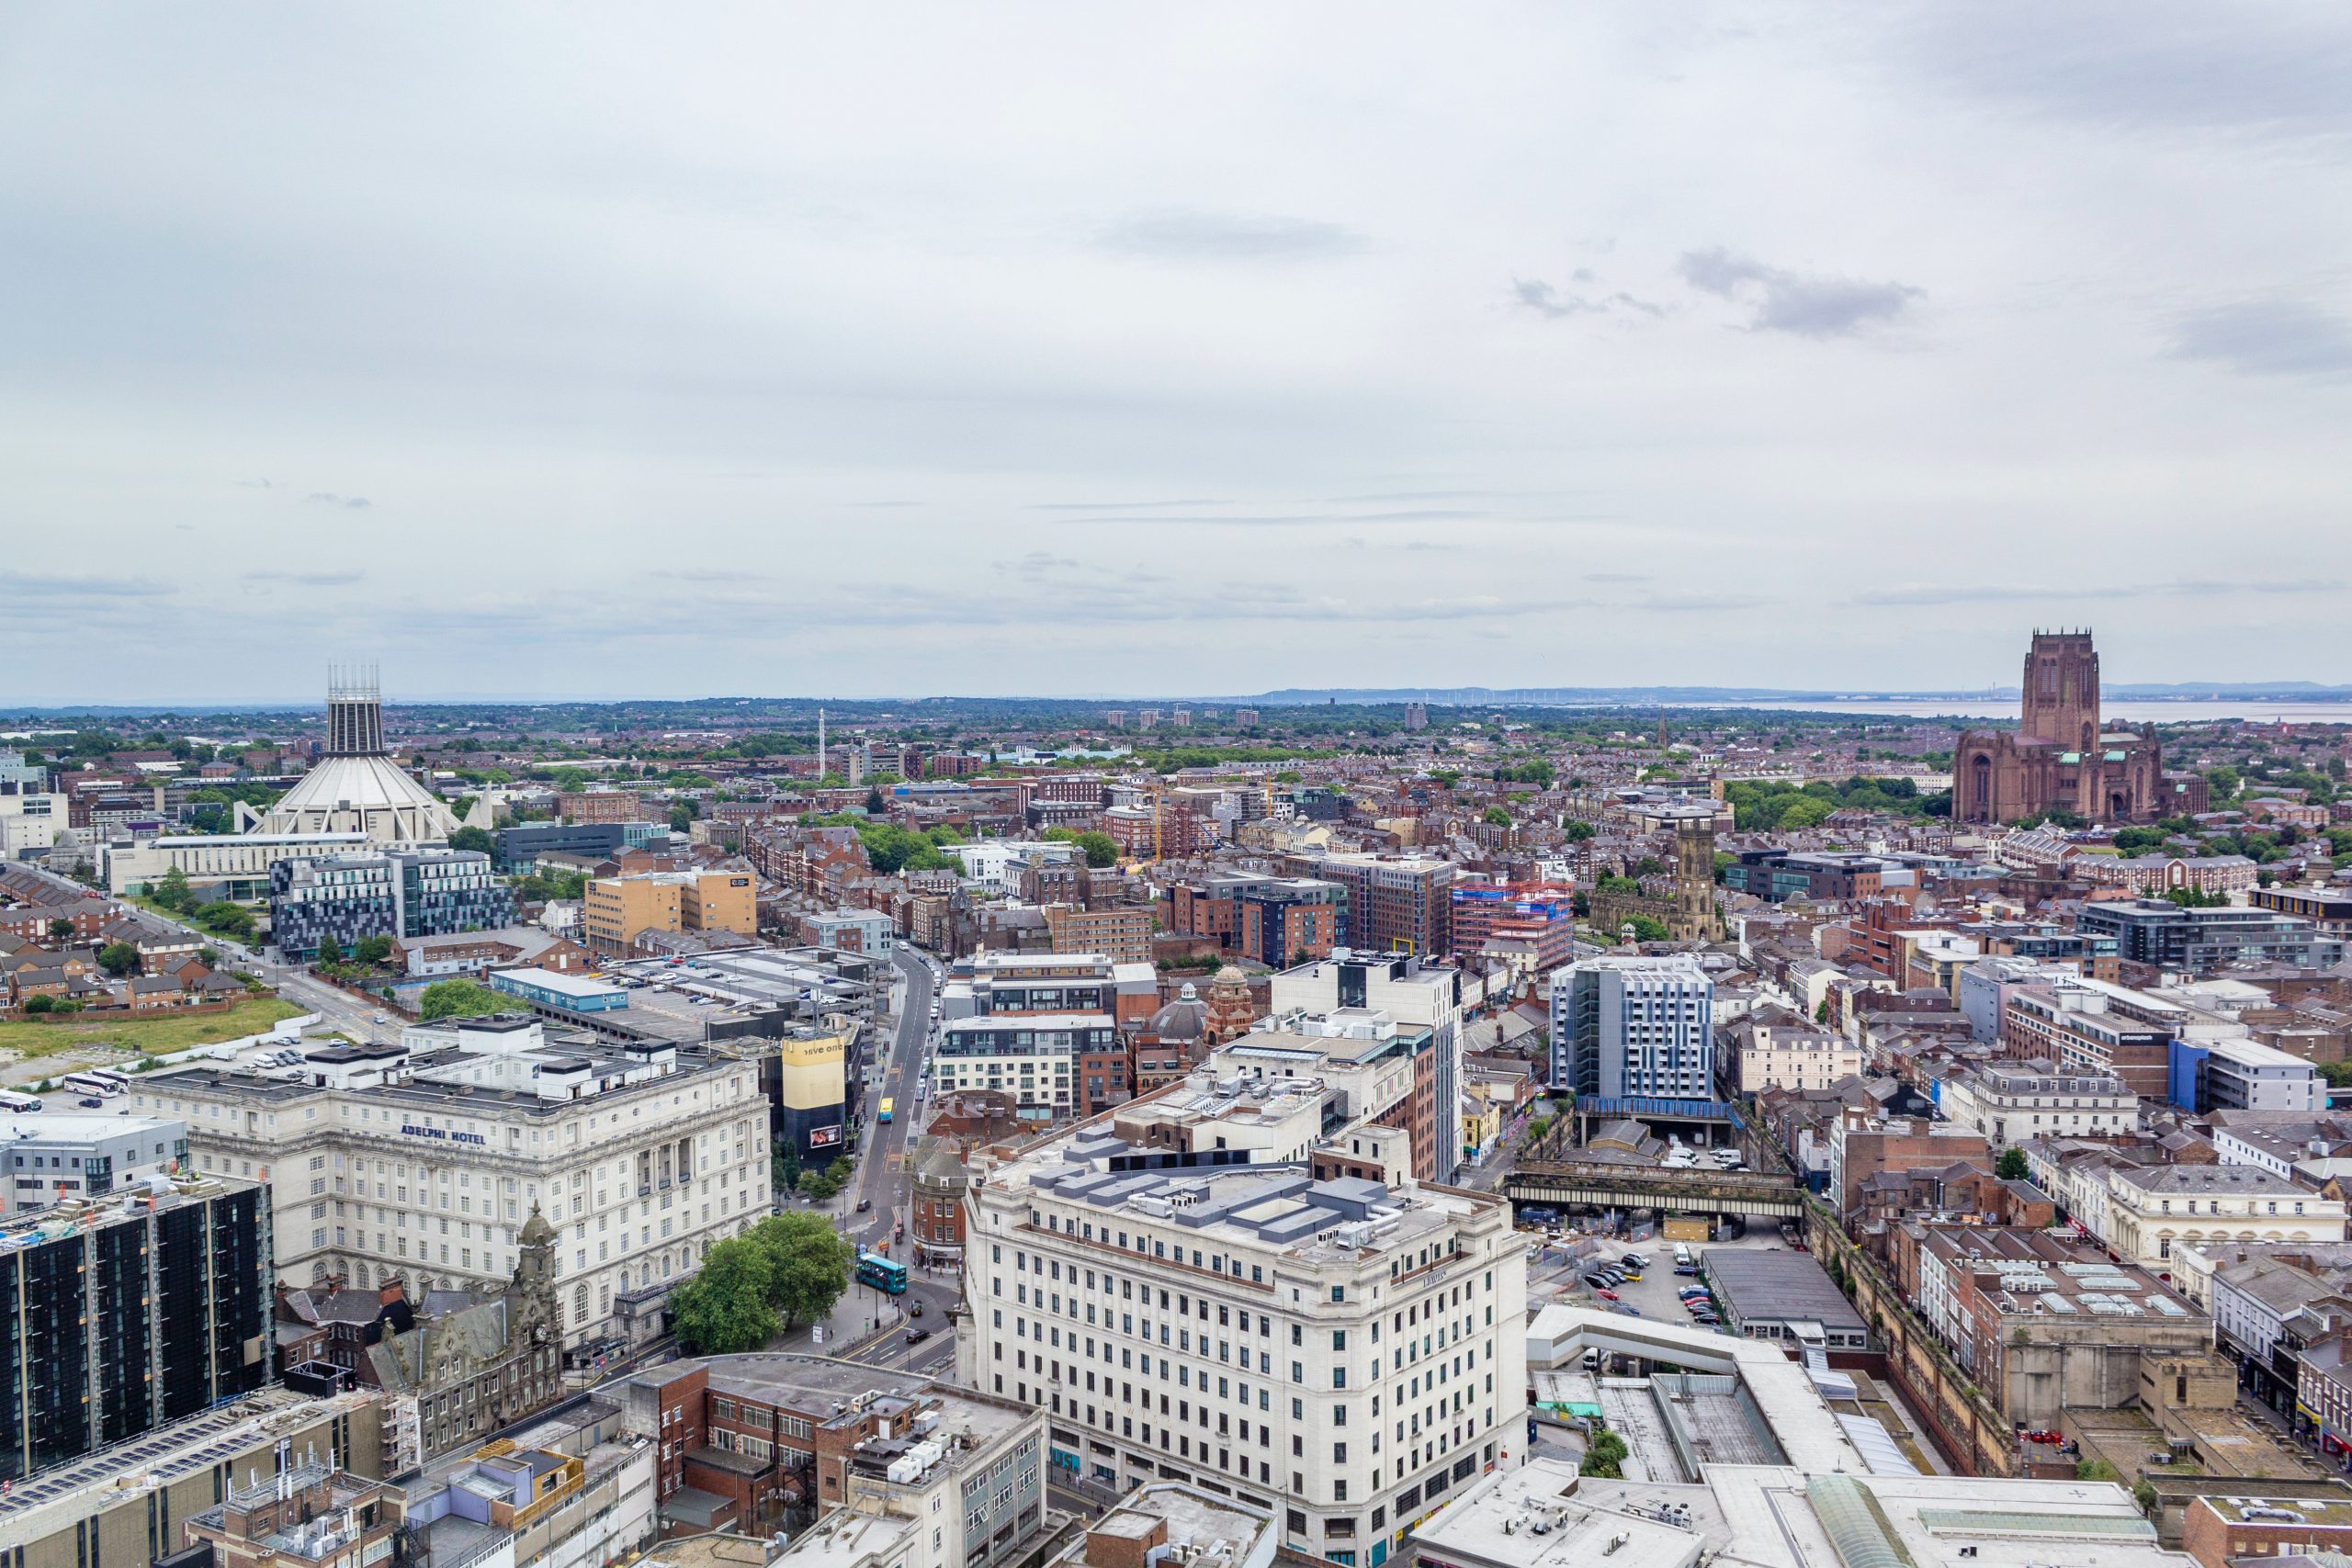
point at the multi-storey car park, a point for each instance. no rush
(424, 1159)
(1189, 1303)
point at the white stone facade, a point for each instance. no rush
(425, 1163)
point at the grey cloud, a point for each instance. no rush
(1037, 563)
(1120, 506)
(328, 497)
(1226, 236)
(1291, 519)
(1926, 594)
(252, 484)
(707, 574)
(882, 506)
(1545, 300)
(1806, 305)
(1681, 603)
(308, 579)
(2175, 67)
(40, 585)
(2267, 337)
(1616, 577)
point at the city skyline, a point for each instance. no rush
(1053, 354)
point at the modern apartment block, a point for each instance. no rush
(391, 893)
(427, 1159)
(1637, 1027)
(1395, 903)
(1273, 919)
(60, 1158)
(1122, 934)
(618, 910)
(1534, 922)
(1033, 1057)
(2162, 935)
(1417, 996)
(152, 1307)
(1189, 1303)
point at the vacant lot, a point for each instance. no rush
(152, 1035)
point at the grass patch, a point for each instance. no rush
(152, 1034)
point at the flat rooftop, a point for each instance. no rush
(1777, 1287)
(1543, 1516)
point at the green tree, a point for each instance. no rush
(1647, 929)
(1098, 849)
(119, 959)
(724, 1310)
(373, 949)
(61, 930)
(2220, 787)
(1604, 1456)
(682, 815)
(458, 998)
(36, 1006)
(2095, 1470)
(209, 957)
(1576, 832)
(223, 918)
(875, 805)
(2011, 1166)
(171, 892)
(329, 951)
(1445, 778)
(475, 838)
(1496, 816)
(808, 1263)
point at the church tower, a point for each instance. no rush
(2060, 691)
(1696, 917)
(539, 1319)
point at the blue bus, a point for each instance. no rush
(882, 1273)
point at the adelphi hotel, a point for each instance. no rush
(425, 1158)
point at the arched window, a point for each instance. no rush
(579, 1305)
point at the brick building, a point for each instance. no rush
(2058, 757)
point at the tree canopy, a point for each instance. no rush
(724, 1310)
(787, 1268)
(459, 999)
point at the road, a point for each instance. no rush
(882, 1176)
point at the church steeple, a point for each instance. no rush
(532, 1289)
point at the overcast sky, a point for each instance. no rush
(1094, 349)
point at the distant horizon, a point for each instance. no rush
(1455, 697)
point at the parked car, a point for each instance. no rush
(1636, 1259)
(865, 1205)
(1605, 1294)
(91, 1102)
(1689, 1268)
